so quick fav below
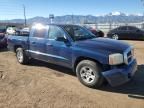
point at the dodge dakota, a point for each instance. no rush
(94, 59)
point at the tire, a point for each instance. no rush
(89, 74)
(21, 56)
(115, 36)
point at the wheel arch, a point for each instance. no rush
(17, 46)
(79, 59)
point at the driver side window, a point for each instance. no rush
(55, 32)
(79, 32)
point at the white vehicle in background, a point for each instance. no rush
(17, 31)
(11, 30)
(24, 31)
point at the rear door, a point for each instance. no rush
(58, 51)
(37, 42)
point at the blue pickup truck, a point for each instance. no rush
(94, 59)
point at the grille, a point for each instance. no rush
(128, 56)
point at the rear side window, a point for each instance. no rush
(40, 33)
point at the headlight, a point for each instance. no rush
(116, 59)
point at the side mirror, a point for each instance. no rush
(62, 39)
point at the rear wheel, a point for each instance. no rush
(115, 36)
(89, 73)
(21, 56)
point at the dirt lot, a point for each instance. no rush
(42, 85)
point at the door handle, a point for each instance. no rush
(50, 45)
(33, 42)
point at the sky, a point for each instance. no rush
(13, 9)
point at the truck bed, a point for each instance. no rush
(14, 41)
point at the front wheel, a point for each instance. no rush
(89, 73)
(21, 56)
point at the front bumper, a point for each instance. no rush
(119, 76)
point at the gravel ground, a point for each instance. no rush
(43, 85)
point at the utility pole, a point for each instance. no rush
(72, 19)
(143, 5)
(24, 12)
(143, 15)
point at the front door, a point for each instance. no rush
(123, 32)
(59, 52)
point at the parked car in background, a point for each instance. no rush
(3, 40)
(96, 32)
(93, 59)
(126, 33)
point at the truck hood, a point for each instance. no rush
(104, 45)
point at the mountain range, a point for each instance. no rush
(113, 17)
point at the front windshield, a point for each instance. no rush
(78, 33)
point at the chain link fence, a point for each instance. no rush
(109, 26)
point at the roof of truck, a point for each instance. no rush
(59, 24)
